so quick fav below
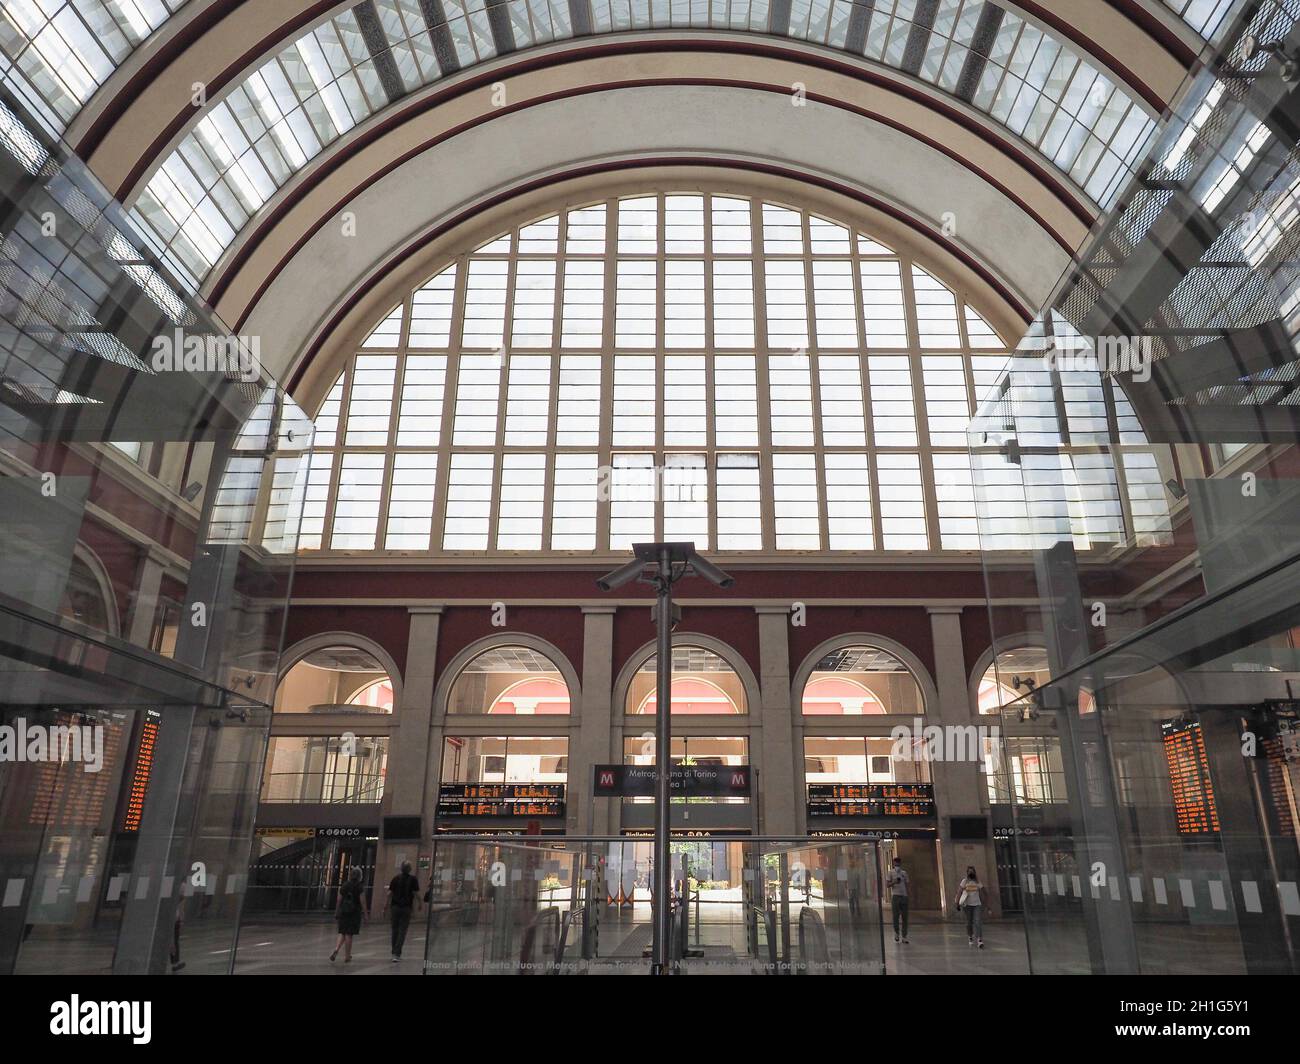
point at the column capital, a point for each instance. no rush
(784, 611)
(932, 610)
(425, 609)
(599, 609)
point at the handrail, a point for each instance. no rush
(812, 929)
(528, 946)
(567, 920)
(769, 925)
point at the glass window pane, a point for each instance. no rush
(794, 500)
(410, 502)
(371, 403)
(523, 490)
(356, 508)
(739, 505)
(469, 502)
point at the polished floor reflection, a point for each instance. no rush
(302, 945)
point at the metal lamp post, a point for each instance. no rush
(661, 565)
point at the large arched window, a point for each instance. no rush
(704, 684)
(743, 374)
(336, 679)
(510, 681)
(861, 680)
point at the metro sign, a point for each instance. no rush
(685, 781)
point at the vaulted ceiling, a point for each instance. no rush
(240, 130)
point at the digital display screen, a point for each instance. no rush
(1189, 777)
(501, 800)
(141, 770)
(870, 799)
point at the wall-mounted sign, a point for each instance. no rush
(886, 834)
(1189, 777)
(870, 799)
(512, 800)
(684, 781)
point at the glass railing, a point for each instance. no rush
(584, 905)
(1137, 480)
(143, 587)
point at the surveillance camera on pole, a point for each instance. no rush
(705, 568)
(663, 565)
(624, 574)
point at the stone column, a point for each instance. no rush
(958, 785)
(774, 733)
(411, 748)
(593, 737)
(144, 601)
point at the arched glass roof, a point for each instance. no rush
(251, 142)
(688, 366)
(56, 53)
(1203, 16)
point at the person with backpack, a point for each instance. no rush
(403, 897)
(349, 912)
(972, 901)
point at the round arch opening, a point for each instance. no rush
(861, 680)
(510, 681)
(336, 679)
(704, 684)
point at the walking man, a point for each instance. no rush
(899, 884)
(403, 897)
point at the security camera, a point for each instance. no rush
(705, 568)
(624, 574)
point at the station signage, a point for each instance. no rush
(684, 781)
(883, 834)
(1189, 777)
(870, 799)
(141, 771)
(508, 800)
(272, 831)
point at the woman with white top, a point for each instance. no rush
(971, 900)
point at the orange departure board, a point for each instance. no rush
(1189, 777)
(870, 799)
(500, 800)
(141, 771)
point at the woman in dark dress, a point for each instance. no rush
(349, 911)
